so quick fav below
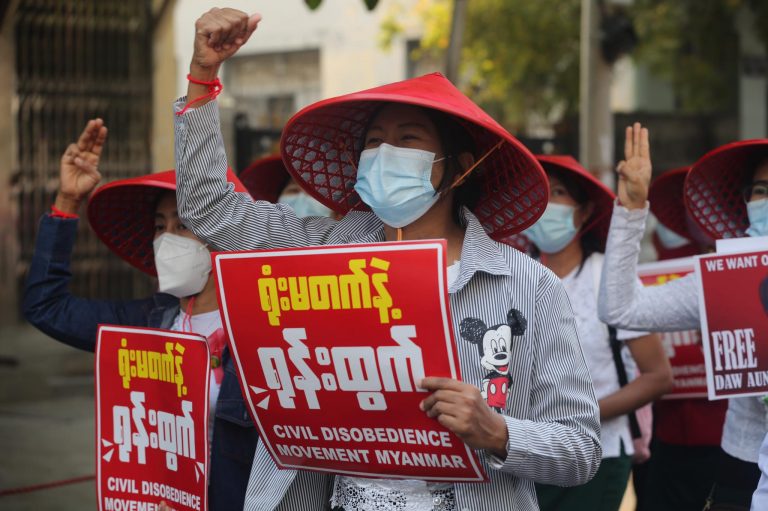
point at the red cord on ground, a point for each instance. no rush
(46, 486)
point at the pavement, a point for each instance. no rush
(46, 422)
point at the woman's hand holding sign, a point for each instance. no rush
(461, 408)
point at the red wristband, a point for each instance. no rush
(214, 89)
(57, 213)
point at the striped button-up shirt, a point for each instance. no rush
(549, 404)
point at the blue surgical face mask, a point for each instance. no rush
(304, 205)
(757, 211)
(554, 229)
(395, 182)
(670, 239)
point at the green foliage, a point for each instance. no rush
(520, 58)
(693, 45)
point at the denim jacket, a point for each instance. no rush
(49, 306)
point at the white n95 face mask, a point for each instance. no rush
(183, 265)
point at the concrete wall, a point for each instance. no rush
(753, 80)
(344, 31)
(164, 84)
(8, 244)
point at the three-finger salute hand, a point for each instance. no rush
(79, 170)
(635, 169)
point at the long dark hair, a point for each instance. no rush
(454, 141)
(749, 175)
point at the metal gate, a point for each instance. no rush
(76, 60)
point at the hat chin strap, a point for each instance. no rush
(460, 180)
(456, 182)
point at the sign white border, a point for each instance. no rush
(151, 331)
(389, 247)
(711, 393)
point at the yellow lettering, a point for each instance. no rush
(351, 290)
(153, 359)
(152, 365)
(181, 389)
(379, 264)
(299, 293)
(268, 296)
(324, 292)
(166, 364)
(355, 287)
(124, 363)
(663, 279)
(142, 367)
(383, 300)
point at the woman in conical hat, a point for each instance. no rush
(569, 239)
(726, 193)
(676, 233)
(415, 160)
(267, 179)
(137, 219)
(687, 431)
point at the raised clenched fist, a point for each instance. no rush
(219, 33)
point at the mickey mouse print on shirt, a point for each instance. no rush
(495, 344)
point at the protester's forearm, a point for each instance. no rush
(66, 204)
(623, 301)
(48, 303)
(208, 204)
(642, 390)
(196, 91)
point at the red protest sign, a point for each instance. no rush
(151, 419)
(330, 343)
(684, 349)
(734, 322)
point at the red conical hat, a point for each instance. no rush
(321, 146)
(714, 185)
(666, 198)
(122, 214)
(266, 178)
(599, 194)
